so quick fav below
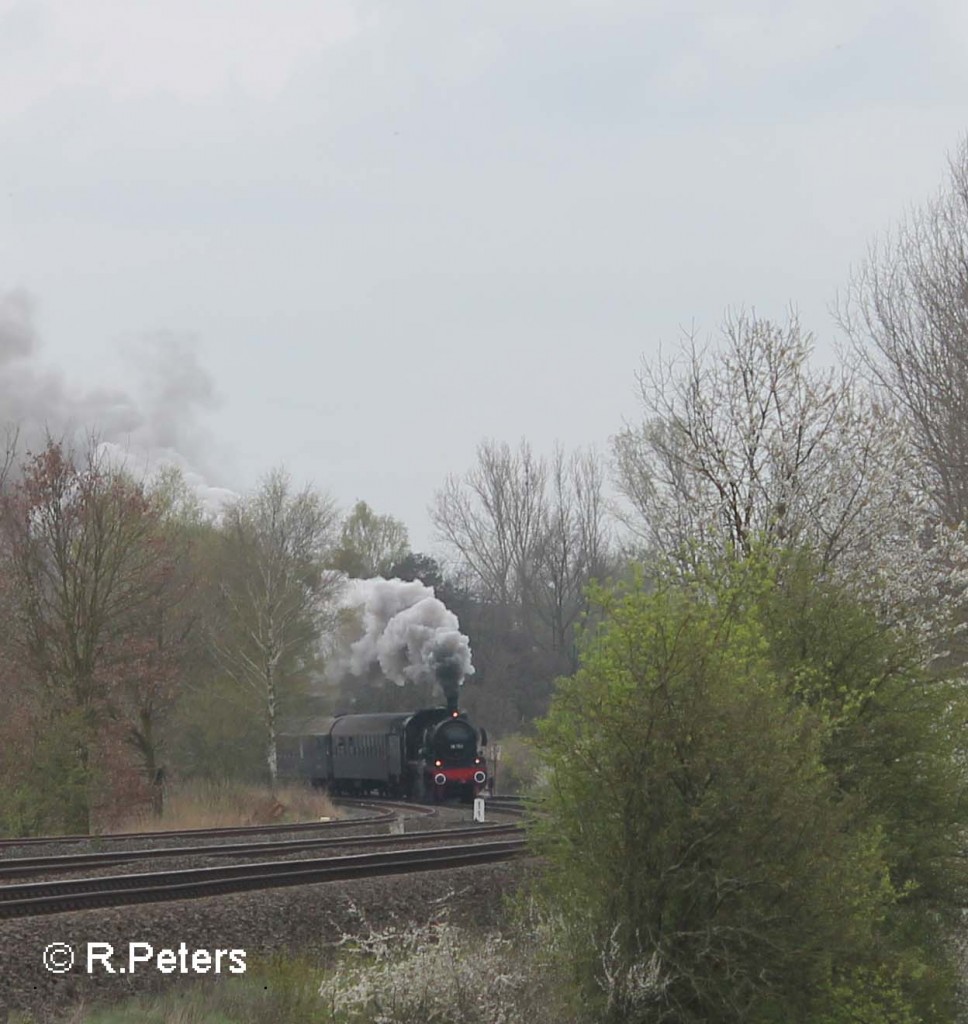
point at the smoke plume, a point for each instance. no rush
(160, 424)
(409, 633)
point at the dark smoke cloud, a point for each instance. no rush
(159, 424)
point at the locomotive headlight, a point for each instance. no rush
(479, 778)
(437, 764)
(440, 778)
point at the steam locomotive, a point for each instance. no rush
(430, 754)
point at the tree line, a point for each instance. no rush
(145, 642)
(756, 779)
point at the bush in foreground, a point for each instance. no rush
(432, 974)
(723, 840)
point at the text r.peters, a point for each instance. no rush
(166, 961)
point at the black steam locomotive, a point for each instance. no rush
(431, 754)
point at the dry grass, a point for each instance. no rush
(224, 805)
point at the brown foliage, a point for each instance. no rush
(88, 587)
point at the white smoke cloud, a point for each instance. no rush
(409, 632)
(156, 426)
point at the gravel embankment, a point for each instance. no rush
(305, 919)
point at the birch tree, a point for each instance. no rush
(273, 593)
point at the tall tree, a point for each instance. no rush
(574, 548)
(493, 518)
(531, 532)
(274, 593)
(906, 311)
(369, 544)
(749, 442)
(86, 561)
(168, 636)
(528, 534)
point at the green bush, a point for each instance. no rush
(720, 847)
(519, 767)
(219, 733)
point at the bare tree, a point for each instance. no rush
(749, 443)
(493, 518)
(274, 592)
(906, 312)
(531, 532)
(574, 547)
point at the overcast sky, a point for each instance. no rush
(388, 229)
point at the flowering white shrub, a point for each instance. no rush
(435, 974)
(632, 987)
(750, 445)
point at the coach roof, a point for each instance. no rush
(369, 725)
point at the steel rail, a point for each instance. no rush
(34, 899)
(20, 866)
(514, 805)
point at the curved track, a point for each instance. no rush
(387, 812)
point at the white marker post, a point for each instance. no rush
(478, 808)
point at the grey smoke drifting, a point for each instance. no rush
(409, 633)
(157, 425)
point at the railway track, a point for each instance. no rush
(454, 847)
(381, 811)
(18, 867)
(51, 897)
(516, 805)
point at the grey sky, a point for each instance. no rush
(395, 228)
